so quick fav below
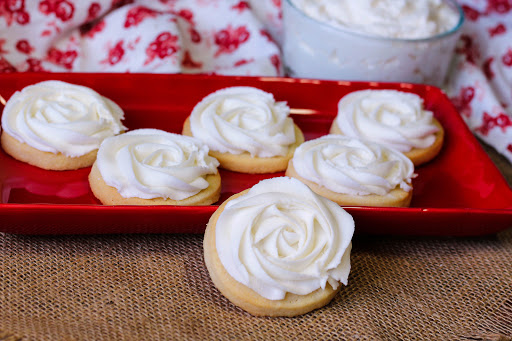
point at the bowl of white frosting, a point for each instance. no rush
(371, 40)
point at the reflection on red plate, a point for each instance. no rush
(460, 192)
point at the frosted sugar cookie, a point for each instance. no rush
(154, 167)
(393, 118)
(58, 126)
(246, 129)
(279, 249)
(350, 171)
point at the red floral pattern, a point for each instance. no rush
(165, 45)
(463, 101)
(497, 30)
(62, 58)
(507, 58)
(498, 6)
(93, 11)
(61, 45)
(24, 46)
(115, 54)
(480, 80)
(470, 13)
(466, 47)
(34, 65)
(186, 14)
(195, 37)
(241, 6)
(243, 62)
(137, 14)
(229, 39)
(14, 11)
(277, 3)
(276, 61)
(5, 66)
(501, 121)
(2, 43)
(63, 9)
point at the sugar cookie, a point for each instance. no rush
(392, 118)
(154, 167)
(246, 129)
(58, 126)
(279, 249)
(353, 172)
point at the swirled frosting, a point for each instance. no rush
(282, 237)
(150, 163)
(58, 117)
(412, 19)
(393, 118)
(351, 166)
(243, 119)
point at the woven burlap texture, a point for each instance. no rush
(156, 287)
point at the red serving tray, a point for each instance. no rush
(460, 193)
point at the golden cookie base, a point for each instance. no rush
(50, 161)
(245, 163)
(110, 196)
(395, 198)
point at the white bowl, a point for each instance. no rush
(315, 49)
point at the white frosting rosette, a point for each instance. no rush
(58, 117)
(282, 237)
(393, 118)
(243, 119)
(151, 163)
(351, 166)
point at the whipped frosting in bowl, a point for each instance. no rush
(384, 40)
(410, 19)
(59, 117)
(151, 163)
(280, 237)
(243, 119)
(393, 118)
(353, 166)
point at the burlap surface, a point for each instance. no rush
(156, 287)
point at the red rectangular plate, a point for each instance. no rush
(460, 193)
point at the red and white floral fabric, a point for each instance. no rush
(164, 36)
(480, 84)
(235, 37)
